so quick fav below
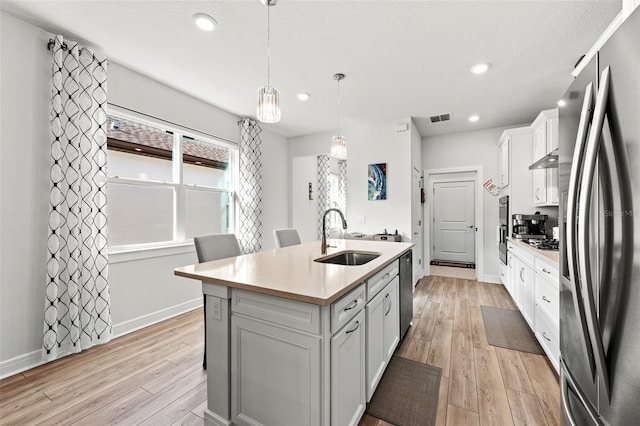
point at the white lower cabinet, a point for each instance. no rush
(523, 281)
(347, 373)
(548, 310)
(535, 289)
(526, 292)
(383, 332)
(275, 374)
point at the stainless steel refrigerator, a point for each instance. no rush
(599, 178)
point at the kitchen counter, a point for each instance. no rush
(552, 255)
(292, 272)
(293, 341)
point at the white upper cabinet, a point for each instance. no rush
(545, 140)
(503, 172)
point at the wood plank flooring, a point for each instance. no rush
(154, 376)
(480, 384)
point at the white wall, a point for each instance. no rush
(368, 144)
(479, 148)
(143, 287)
(379, 143)
(304, 214)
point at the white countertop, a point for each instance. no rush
(292, 273)
(550, 255)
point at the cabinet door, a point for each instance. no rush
(539, 176)
(347, 374)
(392, 318)
(275, 374)
(526, 292)
(539, 186)
(504, 163)
(375, 345)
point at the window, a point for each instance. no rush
(165, 185)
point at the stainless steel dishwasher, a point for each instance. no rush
(406, 292)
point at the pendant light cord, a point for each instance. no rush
(268, 44)
(339, 106)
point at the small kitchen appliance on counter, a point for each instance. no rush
(387, 237)
(529, 226)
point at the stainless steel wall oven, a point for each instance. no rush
(503, 227)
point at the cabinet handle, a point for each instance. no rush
(545, 271)
(352, 305)
(522, 275)
(389, 300)
(544, 334)
(537, 193)
(385, 276)
(545, 299)
(354, 328)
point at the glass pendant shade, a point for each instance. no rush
(339, 146)
(268, 110)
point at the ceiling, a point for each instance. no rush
(401, 58)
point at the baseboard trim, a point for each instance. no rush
(143, 321)
(495, 279)
(34, 359)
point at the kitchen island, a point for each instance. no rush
(291, 340)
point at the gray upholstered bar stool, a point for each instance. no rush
(214, 247)
(286, 237)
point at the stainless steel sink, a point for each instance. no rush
(351, 258)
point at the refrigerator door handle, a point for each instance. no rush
(574, 180)
(566, 382)
(593, 146)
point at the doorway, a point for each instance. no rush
(453, 237)
(453, 214)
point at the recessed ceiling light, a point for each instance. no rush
(474, 118)
(480, 68)
(303, 96)
(562, 103)
(205, 22)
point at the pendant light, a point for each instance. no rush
(338, 142)
(268, 110)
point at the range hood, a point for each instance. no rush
(549, 161)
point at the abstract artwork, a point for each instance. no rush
(377, 181)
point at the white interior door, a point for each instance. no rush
(454, 221)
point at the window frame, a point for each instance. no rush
(180, 243)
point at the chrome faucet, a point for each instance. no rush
(323, 247)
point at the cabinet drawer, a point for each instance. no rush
(347, 307)
(548, 337)
(547, 298)
(289, 313)
(381, 279)
(525, 256)
(548, 271)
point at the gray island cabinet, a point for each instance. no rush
(293, 341)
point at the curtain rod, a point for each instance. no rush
(52, 43)
(175, 124)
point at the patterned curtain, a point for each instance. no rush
(250, 188)
(342, 168)
(324, 169)
(77, 311)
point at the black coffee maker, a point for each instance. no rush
(529, 226)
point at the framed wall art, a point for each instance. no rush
(377, 181)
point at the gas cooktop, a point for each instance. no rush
(544, 244)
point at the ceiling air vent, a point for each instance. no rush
(441, 117)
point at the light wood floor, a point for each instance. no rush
(450, 271)
(154, 376)
(480, 384)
